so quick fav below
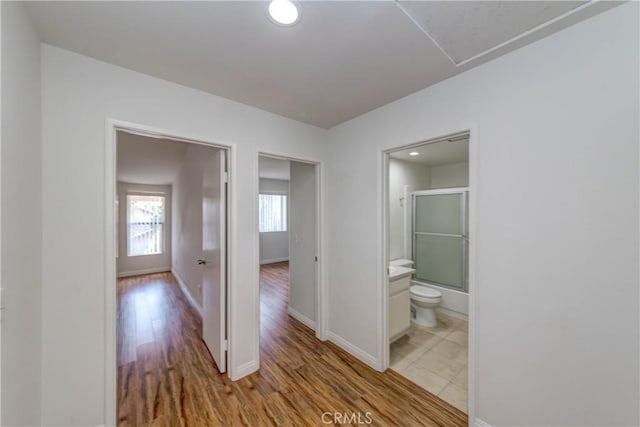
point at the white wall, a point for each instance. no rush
(78, 95)
(129, 266)
(401, 174)
(449, 175)
(187, 220)
(556, 127)
(274, 246)
(302, 264)
(21, 153)
(273, 186)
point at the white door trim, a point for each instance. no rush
(383, 251)
(321, 288)
(111, 128)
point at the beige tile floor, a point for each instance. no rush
(436, 359)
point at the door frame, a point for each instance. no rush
(321, 288)
(383, 261)
(112, 126)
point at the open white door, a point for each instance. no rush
(214, 256)
(303, 243)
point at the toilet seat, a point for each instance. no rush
(425, 292)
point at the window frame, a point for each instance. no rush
(286, 210)
(164, 239)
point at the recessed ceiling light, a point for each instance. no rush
(413, 153)
(284, 12)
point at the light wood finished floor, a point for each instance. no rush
(166, 376)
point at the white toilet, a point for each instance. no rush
(424, 299)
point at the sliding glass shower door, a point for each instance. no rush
(440, 238)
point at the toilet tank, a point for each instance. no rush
(401, 263)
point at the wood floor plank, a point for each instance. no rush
(166, 376)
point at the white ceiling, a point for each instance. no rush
(144, 160)
(271, 168)
(341, 60)
(455, 150)
(466, 29)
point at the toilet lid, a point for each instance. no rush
(423, 291)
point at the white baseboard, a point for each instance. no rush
(244, 370)
(145, 271)
(273, 260)
(302, 318)
(479, 423)
(355, 351)
(186, 292)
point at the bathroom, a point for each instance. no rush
(428, 247)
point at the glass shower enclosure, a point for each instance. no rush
(440, 237)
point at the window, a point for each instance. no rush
(145, 225)
(273, 213)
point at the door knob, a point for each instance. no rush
(202, 262)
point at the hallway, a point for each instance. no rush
(166, 376)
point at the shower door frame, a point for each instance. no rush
(464, 232)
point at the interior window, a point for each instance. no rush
(145, 225)
(273, 213)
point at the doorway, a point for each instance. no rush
(427, 228)
(289, 218)
(170, 254)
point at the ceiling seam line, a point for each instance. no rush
(424, 31)
(527, 33)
